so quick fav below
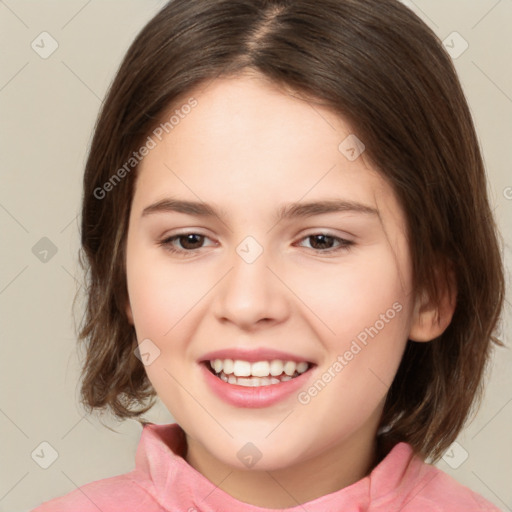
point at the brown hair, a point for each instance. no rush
(375, 63)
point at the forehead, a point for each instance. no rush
(248, 144)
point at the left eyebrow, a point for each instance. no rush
(289, 211)
(294, 210)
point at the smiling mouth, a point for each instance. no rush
(249, 380)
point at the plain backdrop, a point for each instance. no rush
(50, 94)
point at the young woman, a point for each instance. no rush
(289, 241)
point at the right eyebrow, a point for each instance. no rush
(198, 209)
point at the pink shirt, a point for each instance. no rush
(164, 481)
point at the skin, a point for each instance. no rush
(248, 148)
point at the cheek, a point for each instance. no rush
(368, 309)
(352, 295)
(162, 300)
(160, 296)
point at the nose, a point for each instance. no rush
(251, 295)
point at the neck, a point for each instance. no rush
(331, 470)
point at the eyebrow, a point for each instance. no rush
(286, 212)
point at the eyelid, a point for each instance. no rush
(313, 231)
(177, 235)
(345, 236)
(344, 244)
(185, 231)
(329, 232)
(166, 242)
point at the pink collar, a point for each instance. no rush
(177, 486)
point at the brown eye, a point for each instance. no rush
(190, 241)
(321, 241)
(325, 243)
(183, 243)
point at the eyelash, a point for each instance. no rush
(345, 245)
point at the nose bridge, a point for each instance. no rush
(250, 292)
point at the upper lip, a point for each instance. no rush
(252, 355)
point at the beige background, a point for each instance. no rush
(48, 108)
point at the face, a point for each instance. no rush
(330, 287)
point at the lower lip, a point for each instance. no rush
(252, 397)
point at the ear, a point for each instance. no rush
(431, 319)
(128, 311)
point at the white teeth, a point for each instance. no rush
(260, 369)
(263, 371)
(252, 381)
(289, 368)
(228, 366)
(217, 365)
(276, 367)
(302, 367)
(242, 368)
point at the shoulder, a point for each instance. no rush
(121, 493)
(427, 488)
